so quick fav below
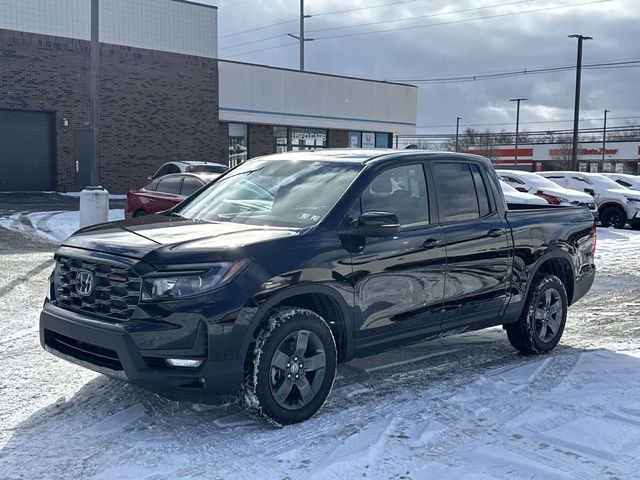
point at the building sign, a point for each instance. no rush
(587, 151)
(368, 140)
(309, 137)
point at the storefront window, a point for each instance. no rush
(307, 138)
(295, 138)
(238, 143)
(354, 139)
(368, 140)
(382, 140)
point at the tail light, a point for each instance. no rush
(549, 198)
(594, 237)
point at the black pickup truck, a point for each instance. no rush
(260, 283)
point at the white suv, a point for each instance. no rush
(552, 192)
(617, 205)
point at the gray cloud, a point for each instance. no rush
(498, 44)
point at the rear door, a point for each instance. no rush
(478, 249)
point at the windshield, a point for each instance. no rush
(208, 168)
(605, 182)
(273, 193)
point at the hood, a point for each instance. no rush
(625, 191)
(156, 236)
(520, 197)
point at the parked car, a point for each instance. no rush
(617, 205)
(164, 193)
(243, 294)
(187, 166)
(511, 195)
(626, 180)
(553, 193)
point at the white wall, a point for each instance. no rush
(167, 25)
(258, 94)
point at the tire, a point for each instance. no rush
(615, 216)
(542, 321)
(139, 213)
(635, 226)
(271, 392)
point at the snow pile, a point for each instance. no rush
(52, 226)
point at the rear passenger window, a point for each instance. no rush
(170, 185)
(457, 184)
(189, 186)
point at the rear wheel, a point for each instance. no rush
(542, 321)
(291, 368)
(613, 216)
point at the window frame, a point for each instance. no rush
(191, 179)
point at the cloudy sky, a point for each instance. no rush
(448, 38)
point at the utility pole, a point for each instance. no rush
(457, 131)
(576, 109)
(94, 82)
(517, 100)
(604, 137)
(301, 38)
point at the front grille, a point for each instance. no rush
(103, 357)
(114, 291)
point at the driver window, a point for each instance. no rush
(400, 190)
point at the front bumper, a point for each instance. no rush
(109, 348)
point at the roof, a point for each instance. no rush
(360, 156)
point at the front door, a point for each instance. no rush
(399, 281)
(478, 253)
(82, 153)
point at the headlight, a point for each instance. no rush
(187, 285)
(631, 199)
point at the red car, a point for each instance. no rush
(164, 193)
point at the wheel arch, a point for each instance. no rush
(611, 203)
(558, 263)
(320, 299)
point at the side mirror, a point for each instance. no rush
(590, 191)
(522, 189)
(150, 177)
(378, 224)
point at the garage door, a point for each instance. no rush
(27, 160)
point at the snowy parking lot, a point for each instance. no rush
(467, 407)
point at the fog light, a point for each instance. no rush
(184, 362)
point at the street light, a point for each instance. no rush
(517, 100)
(457, 130)
(576, 109)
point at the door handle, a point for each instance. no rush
(495, 232)
(432, 243)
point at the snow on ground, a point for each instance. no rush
(466, 407)
(52, 226)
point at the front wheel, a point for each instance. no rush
(542, 321)
(613, 216)
(291, 368)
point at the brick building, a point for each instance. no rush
(163, 95)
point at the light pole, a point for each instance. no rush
(576, 109)
(301, 38)
(517, 100)
(604, 136)
(94, 86)
(457, 131)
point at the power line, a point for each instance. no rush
(452, 22)
(467, 10)
(514, 73)
(321, 14)
(431, 15)
(262, 49)
(529, 122)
